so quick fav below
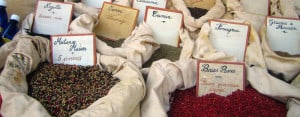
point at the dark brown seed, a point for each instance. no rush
(65, 89)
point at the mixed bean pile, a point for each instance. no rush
(65, 89)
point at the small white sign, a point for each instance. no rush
(142, 4)
(284, 34)
(95, 3)
(221, 78)
(73, 49)
(165, 24)
(52, 18)
(229, 37)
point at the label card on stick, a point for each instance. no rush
(284, 34)
(165, 24)
(221, 78)
(230, 37)
(95, 3)
(52, 18)
(73, 49)
(116, 21)
(142, 4)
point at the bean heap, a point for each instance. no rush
(65, 89)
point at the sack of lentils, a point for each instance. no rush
(112, 88)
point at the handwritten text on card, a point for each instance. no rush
(284, 34)
(52, 18)
(219, 78)
(73, 49)
(229, 37)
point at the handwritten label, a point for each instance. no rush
(284, 34)
(229, 37)
(221, 78)
(73, 49)
(115, 21)
(52, 18)
(95, 3)
(204, 4)
(142, 4)
(165, 24)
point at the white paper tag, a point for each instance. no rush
(221, 78)
(52, 18)
(73, 49)
(165, 24)
(142, 4)
(230, 37)
(284, 34)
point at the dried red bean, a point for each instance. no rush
(248, 103)
(65, 89)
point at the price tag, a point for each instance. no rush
(73, 49)
(230, 37)
(221, 78)
(165, 24)
(52, 18)
(142, 4)
(284, 34)
(116, 21)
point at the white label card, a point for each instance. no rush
(165, 24)
(95, 3)
(142, 4)
(52, 18)
(73, 49)
(230, 37)
(284, 34)
(221, 78)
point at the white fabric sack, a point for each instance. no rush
(123, 99)
(289, 67)
(283, 8)
(165, 77)
(138, 47)
(193, 24)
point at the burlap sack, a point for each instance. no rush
(122, 100)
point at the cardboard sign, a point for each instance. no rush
(261, 7)
(116, 22)
(230, 37)
(221, 78)
(165, 24)
(73, 49)
(284, 34)
(95, 3)
(204, 4)
(52, 18)
(142, 4)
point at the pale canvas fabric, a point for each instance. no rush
(193, 24)
(24, 53)
(283, 8)
(123, 100)
(164, 76)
